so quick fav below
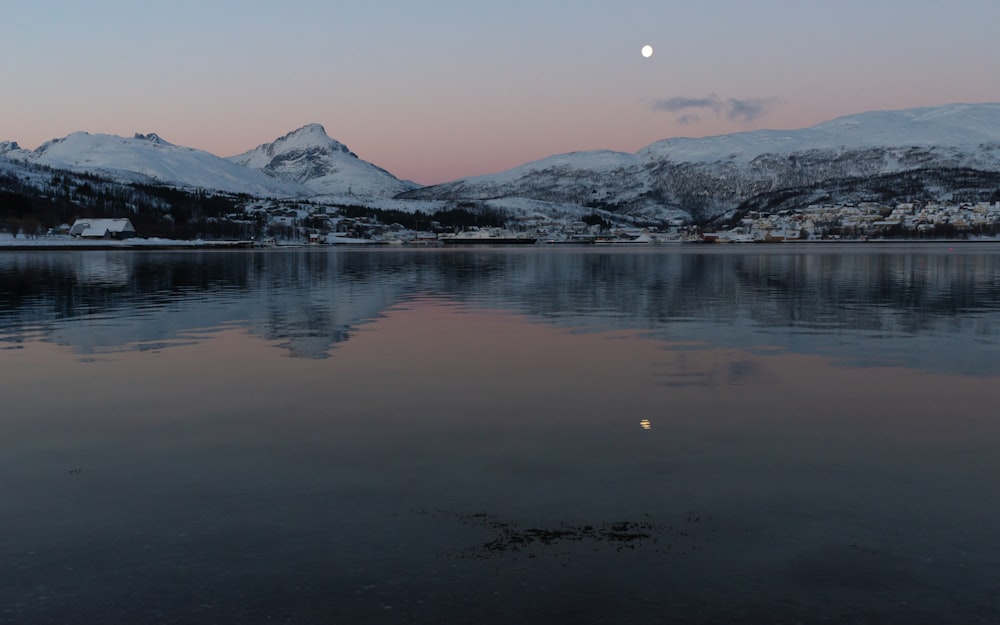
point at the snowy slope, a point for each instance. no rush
(578, 178)
(309, 157)
(711, 176)
(11, 149)
(703, 178)
(150, 159)
(14, 164)
(962, 126)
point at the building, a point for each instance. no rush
(103, 229)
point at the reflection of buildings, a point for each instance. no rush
(904, 306)
(102, 268)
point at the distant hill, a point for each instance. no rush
(931, 153)
(303, 163)
(944, 153)
(148, 159)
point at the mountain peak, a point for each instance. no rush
(308, 156)
(308, 136)
(313, 129)
(151, 137)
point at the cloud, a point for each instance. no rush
(679, 104)
(744, 110)
(748, 110)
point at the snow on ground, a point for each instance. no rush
(58, 241)
(528, 208)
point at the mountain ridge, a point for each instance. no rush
(149, 159)
(712, 177)
(886, 155)
(303, 163)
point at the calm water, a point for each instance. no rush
(524, 436)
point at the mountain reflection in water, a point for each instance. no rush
(701, 435)
(926, 306)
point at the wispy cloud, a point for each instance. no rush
(749, 109)
(745, 110)
(679, 104)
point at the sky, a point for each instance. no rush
(441, 89)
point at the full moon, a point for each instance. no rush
(647, 51)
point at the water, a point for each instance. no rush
(693, 434)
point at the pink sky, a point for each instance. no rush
(446, 90)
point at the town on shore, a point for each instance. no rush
(864, 221)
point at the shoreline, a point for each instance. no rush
(9, 245)
(127, 245)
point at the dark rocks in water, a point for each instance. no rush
(509, 537)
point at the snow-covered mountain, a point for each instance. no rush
(8, 148)
(303, 163)
(309, 157)
(940, 153)
(846, 159)
(149, 159)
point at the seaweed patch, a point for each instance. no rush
(685, 536)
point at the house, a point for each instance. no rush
(103, 229)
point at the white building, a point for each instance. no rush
(103, 229)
